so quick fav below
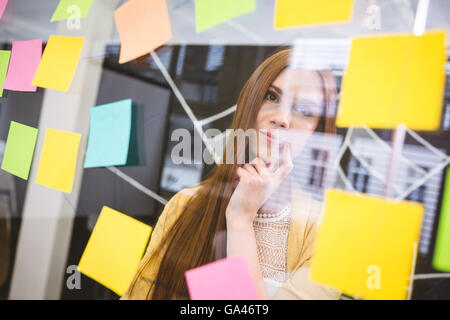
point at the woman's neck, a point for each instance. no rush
(279, 199)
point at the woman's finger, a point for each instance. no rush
(251, 169)
(242, 173)
(260, 166)
(286, 164)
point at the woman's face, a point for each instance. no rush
(289, 114)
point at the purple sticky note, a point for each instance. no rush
(25, 58)
(226, 279)
(3, 4)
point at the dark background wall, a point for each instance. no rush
(210, 78)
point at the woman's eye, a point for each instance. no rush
(270, 96)
(304, 110)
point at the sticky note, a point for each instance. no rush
(71, 9)
(209, 13)
(225, 279)
(143, 26)
(392, 80)
(294, 13)
(19, 149)
(114, 250)
(441, 258)
(109, 134)
(3, 4)
(58, 160)
(365, 245)
(4, 63)
(59, 62)
(25, 58)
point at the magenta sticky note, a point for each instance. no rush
(25, 58)
(225, 279)
(3, 4)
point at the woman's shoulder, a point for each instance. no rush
(185, 194)
(305, 222)
(179, 201)
(173, 209)
(304, 206)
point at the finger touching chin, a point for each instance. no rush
(235, 182)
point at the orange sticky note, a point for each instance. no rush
(143, 26)
(114, 250)
(293, 13)
(365, 245)
(58, 160)
(392, 80)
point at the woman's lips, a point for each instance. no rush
(274, 138)
(270, 137)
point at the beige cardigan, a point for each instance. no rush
(302, 234)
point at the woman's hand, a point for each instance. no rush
(255, 186)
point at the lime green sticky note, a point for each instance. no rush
(209, 13)
(114, 250)
(4, 63)
(19, 149)
(71, 9)
(441, 259)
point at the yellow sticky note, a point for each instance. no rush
(114, 250)
(365, 245)
(58, 63)
(58, 160)
(292, 13)
(392, 80)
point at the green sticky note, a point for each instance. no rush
(71, 9)
(209, 13)
(4, 63)
(19, 149)
(441, 259)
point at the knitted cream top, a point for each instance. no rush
(272, 243)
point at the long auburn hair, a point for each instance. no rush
(198, 236)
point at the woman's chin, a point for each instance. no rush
(268, 160)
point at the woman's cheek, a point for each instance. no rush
(311, 124)
(297, 147)
(301, 137)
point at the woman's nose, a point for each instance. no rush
(281, 119)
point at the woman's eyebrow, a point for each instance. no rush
(278, 90)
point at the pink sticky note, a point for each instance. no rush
(226, 279)
(3, 4)
(25, 58)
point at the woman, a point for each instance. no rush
(253, 209)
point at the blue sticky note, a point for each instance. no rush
(110, 133)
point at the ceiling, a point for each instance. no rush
(29, 19)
